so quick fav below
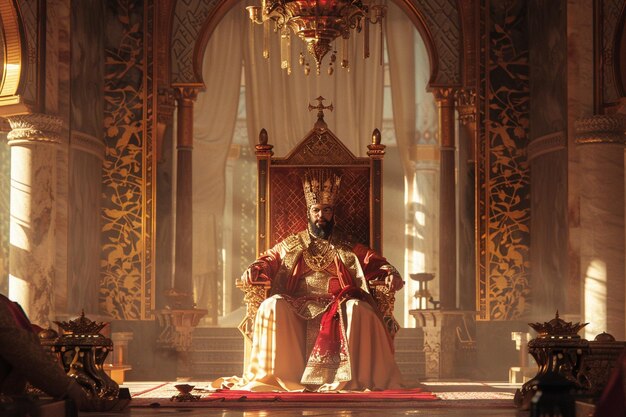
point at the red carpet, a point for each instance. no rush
(161, 396)
(477, 396)
(416, 394)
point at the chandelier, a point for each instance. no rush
(318, 23)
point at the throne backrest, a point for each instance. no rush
(281, 205)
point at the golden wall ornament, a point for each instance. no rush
(504, 205)
(127, 284)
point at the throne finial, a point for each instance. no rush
(320, 124)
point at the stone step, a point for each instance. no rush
(216, 370)
(218, 352)
(217, 332)
(204, 344)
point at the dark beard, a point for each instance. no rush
(322, 232)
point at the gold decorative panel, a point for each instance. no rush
(504, 209)
(126, 288)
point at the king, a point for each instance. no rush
(320, 330)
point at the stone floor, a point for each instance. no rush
(141, 412)
(345, 412)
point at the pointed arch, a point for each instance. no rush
(438, 23)
(12, 53)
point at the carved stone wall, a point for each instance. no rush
(547, 154)
(610, 13)
(85, 156)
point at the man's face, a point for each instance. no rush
(321, 219)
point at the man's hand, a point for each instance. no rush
(394, 282)
(254, 274)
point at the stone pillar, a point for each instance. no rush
(5, 187)
(183, 284)
(466, 106)
(33, 140)
(166, 104)
(449, 342)
(447, 199)
(601, 141)
(178, 320)
(83, 249)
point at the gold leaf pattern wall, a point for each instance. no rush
(126, 284)
(506, 250)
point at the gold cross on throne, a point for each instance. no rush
(320, 108)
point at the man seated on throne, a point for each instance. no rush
(321, 330)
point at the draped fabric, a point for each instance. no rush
(415, 120)
(401, 55)
(279, 102)
(279, 355)
(215, 114)
(320, 331)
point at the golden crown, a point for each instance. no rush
(81, 325)
(320, 187)
(558, 328)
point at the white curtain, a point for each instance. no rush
(415, 120)
(401, 55)
(215, 114)
(279, 102)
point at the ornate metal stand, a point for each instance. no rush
(82, 351)
(558, 349)
(184, 393)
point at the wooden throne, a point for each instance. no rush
(282, 211)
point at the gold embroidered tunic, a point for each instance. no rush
(320, 329)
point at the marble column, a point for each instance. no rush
(580, 102)
(183, 282)
(447, 199)
(33, 139)
(601, 141)
(5, 187)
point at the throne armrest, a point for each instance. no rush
(385, 300)
(254, 294)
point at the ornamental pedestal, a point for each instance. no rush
(117, 368)
(449, 342)
(82, 350)
(177, 333)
